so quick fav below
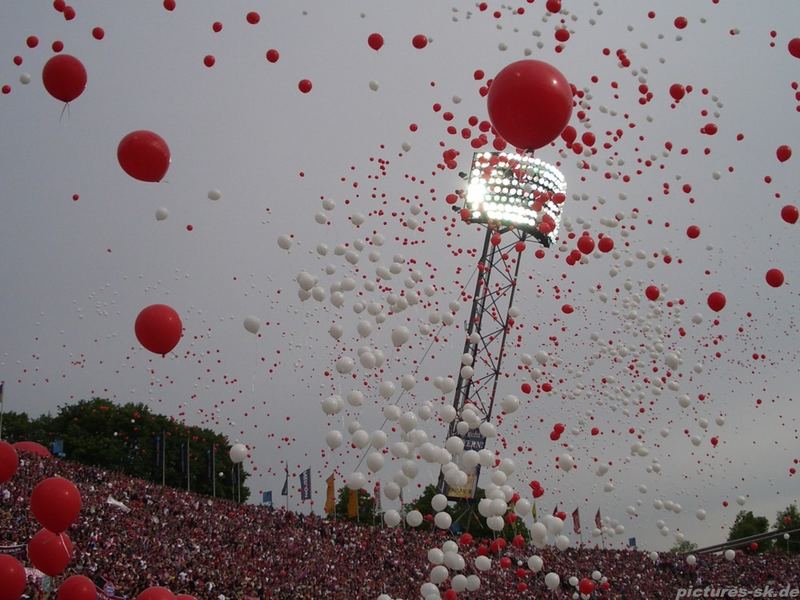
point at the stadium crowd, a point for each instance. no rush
(218, 550)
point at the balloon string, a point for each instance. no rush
(64, 109)
(419, 365)
(63, 544)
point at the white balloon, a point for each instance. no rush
(284, 242)
(252, 324)
(562, 542)
(439, 574)
(509, 403)
(214, 194)
(355, 398)
(483, 563)
(443, 520)
(355, 481)
(392, 518)
(414, 518)
(333, 439)
(535, 563)
(439, 502)
(473, 583)
(729, 554)
(238, 453)
(335, 331)
(375, 461)
(360, 439)
(459, 582)
(435, 556)
(691, 560)
(331, 405)
(400, 336)
(552, 581)
(161, 214)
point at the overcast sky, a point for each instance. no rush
(75, 274)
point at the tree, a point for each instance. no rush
(746, 524)
(128, 438)
(366, 508)
(788, 518)
(683, 547)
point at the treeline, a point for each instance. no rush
(131, 439)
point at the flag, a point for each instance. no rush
(330, 500)
(377, 493)
(285, 490)
(57, 448)
(597, 520)
(305, 484)
(209, 463)
(576, 521)
(401, 498)
(266, 498)
(117, 504)
(632, 542)
(533, 512)
(352, 504)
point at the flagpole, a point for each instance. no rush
(163, 458)
(213, 474)
(2, 409)
(188, 466)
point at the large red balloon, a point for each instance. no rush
(33, 448)
(156, 593)
(56, 503)
(50, 552)
(530, 103)
(775, 277)
(144, 155)
(789, 213)
(12, 578)
(77, 587)
(64, 77)
(158, 328)
(9, 461)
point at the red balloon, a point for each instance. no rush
(32, 448)
(652, 292)
(586, 586)
(9, 461)
(12, 578)
(158, 328)
(529, 103)
(716, 301)
(585, 244)
(375, 41)
(50, 552)
(794, 47)
(304, 85)
(783, 153)
(419, 41)
(775, 277)
(606, 244)
(156, 593)
(77, 587)
(789, 213)
(253, 17)
(693, 231)
(273, 55)
(677, 91)
(56, 503)
(144, 155)
(64, 77)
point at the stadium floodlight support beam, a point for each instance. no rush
(517, 198)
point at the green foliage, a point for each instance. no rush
(123, 438)
(683, 547)
(366, 508)
(746, 524)
(788, 518)
(466, 518)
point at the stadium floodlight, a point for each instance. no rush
(517, 198)
(515, 190)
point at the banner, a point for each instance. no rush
(184, 457)
(158, 450)
(330, 500)
(266, 498)
(555, 511)
(352, 504)
(209, 463)
(576, 521)
(117, 504)
(285, 490)
(533, 512)
(632, 542)
(376, 492)
(473, 440)
(305, 484)
(597, 520)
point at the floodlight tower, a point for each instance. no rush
(517, 198)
